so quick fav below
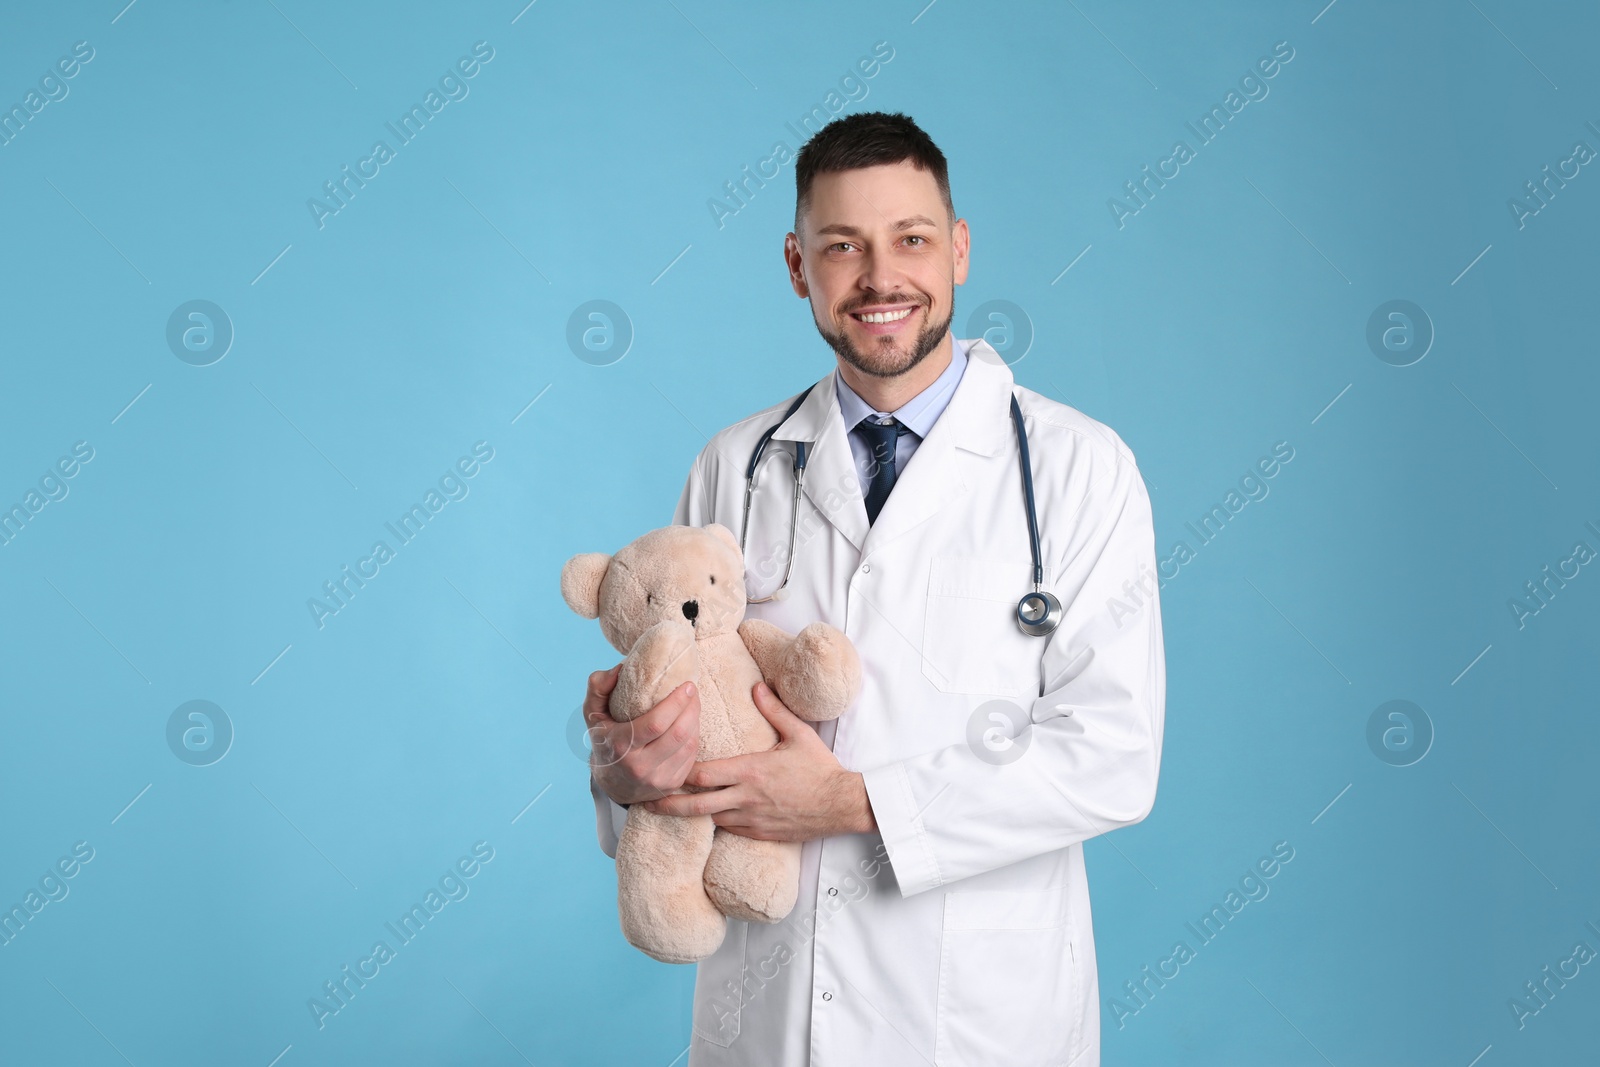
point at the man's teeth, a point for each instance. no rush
(885, 316)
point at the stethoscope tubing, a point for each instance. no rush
(1038, 612)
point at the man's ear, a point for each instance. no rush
(724, 535)
(580, 582)
(795, 260)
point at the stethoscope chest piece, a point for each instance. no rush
(1038, 613)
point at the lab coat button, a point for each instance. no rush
(866, 568)
(827, 996)
(833, 891)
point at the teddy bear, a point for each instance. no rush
(673, 603)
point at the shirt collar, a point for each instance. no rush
(920, 412)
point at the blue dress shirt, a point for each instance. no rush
(917, 414)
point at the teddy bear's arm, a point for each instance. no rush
(817, 674)
(767, 644)
(662, 659)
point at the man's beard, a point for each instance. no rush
(872, 363)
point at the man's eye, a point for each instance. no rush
(914, 237)
(841, 244)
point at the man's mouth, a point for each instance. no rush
(885, 318)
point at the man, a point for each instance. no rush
(943, 913)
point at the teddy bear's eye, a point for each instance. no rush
(713, 579)
(648, 598)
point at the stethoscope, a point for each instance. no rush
(1038, 612)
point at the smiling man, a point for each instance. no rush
(943, 913)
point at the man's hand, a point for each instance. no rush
(795, 791)
(647, 757)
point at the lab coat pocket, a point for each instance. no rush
(970, 639)
(719, 988)
(1008, 982)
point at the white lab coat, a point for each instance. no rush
(971, 943)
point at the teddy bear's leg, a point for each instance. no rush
(661, 893)
(753, 880)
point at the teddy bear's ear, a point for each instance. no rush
(724, 534)
(580, 582)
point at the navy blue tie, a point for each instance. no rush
(880, 439)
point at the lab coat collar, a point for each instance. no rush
(977, 421)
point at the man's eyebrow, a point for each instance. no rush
(844, 230)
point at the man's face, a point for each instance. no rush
(878, 258)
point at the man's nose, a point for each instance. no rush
(691, 608)
(881, 274)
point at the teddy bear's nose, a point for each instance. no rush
(691, 608)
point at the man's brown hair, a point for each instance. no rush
(867, 139)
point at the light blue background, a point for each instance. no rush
(427, 314)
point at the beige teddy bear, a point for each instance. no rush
(673, 603)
